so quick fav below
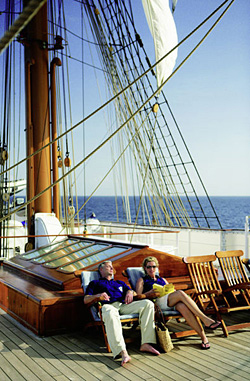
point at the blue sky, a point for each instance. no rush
(210, 94)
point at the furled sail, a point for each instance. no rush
(163, 30)
(174, 2)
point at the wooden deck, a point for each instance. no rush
(82, 356)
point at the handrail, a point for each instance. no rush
(246, 236)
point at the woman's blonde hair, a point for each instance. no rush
(150, 259)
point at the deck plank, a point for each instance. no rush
(30, 343)
(83, 356)
(3, 376)
(27, 362)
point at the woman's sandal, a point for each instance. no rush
(205, 345)
(214, 325)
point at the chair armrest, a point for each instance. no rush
(238, 286)
(94, 310)
(89, 305)
(180, 286)
(152, 295)
(190, 291)
(94, 301)
(149, 295)
(139, 297)
(245, 261)
(209, 292)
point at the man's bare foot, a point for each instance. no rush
(125, 357)
(148, 348)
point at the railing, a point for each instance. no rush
(181, 241)
(247, 237)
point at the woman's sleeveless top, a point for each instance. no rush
(148, 282)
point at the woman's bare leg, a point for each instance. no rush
(181, 296)
(191, 320)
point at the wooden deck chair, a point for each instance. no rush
(235, 276)
(95, 310)
(208, 292)
(246, 262)
(133, 274)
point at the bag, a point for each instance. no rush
(163, 337)
(162, 333)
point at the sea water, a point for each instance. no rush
(231, 211)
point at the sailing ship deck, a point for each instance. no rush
(82, 356)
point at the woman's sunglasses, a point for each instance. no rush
(151, 267)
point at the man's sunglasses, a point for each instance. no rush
(151, 267)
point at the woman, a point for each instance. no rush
(177, 299)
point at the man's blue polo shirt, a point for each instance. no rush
(116, 289)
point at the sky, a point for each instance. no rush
(209, 95)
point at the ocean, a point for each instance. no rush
(231, 211)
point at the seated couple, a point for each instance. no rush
(117, 297)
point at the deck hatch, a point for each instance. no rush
(97, 257)
(62, 252)
(46, 249)
(59, 262)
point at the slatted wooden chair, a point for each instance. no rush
(246, 262)
(133, 274)
(208, 292)
(237, 283)
(95, 310)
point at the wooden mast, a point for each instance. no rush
(37, 110)
(55, 62)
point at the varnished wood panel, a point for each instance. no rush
(48, 301)
(170, 265)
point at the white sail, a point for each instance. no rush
(163, 30)
(174, 2)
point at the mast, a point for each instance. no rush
(55, 62)
(37, 114)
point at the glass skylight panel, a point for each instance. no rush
(71, 257)
(46, 249)
(101, 256)
(61, 252)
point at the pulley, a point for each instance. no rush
(28, 246)
(59, 157)
(71, 210)
(67, 162)
(3, 156)
(155, 108)
(6, 197)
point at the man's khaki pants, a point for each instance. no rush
(111, 317)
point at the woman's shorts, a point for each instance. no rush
(162, 302)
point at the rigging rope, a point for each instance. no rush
(25, 17)
(121, 127)
(128, 104)
(126, 88)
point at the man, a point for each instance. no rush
(117, 297)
